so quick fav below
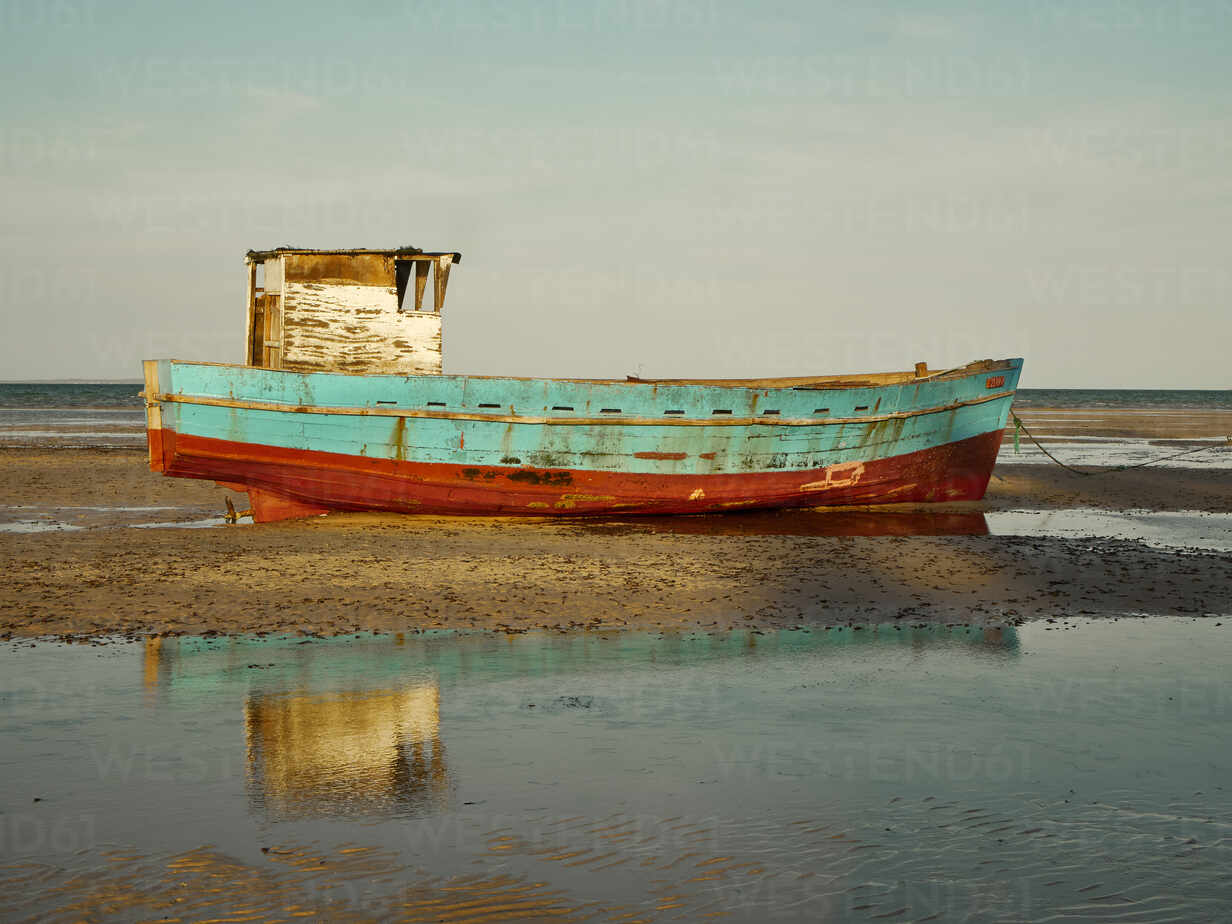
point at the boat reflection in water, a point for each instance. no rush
(346, 753)
(350, 727)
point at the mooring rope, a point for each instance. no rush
(1103, 471)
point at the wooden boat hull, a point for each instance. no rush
(303, 444)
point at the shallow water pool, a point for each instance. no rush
(1048, 772)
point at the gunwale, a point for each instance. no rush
(817, 382)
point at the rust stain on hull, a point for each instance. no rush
(569, 501)
(399, 439)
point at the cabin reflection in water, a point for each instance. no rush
(346, 753)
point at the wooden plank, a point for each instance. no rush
(401, 253)
(153, 410)
(258, 335)
(339, 269)
(442, 280)
(265, 332)
(421, 281)
(272, 284)
(273, 340)
(250, 303)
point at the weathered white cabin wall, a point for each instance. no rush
(342, 315)
(352, 328)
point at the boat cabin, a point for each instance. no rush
(358, 311)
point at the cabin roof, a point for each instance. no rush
(260, 256)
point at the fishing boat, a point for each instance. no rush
(342, 404)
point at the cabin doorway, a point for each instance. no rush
(265, 311)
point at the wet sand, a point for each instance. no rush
(293, 882)
(1129, 423)
(1052, 487)
(357, 572)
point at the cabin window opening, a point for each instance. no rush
(561, 407)
(402, 276)
(436, 404)
(862, 407)
(259, 279)
(721, 411)
(769, 412)
(610, 410)
(821, 410)
(489, 405)
(406, 271)
(386, 402)
(673, 412)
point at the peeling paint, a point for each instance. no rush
(356, 328)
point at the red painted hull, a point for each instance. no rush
(284, 483)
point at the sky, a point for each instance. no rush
(688, 188)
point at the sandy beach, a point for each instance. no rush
(389, 573)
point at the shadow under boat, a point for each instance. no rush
(832, 521)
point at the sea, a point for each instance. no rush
(127, 395)
(93, 415)
(1177, 399)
